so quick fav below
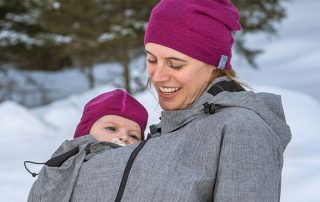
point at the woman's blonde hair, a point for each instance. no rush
(230, 73)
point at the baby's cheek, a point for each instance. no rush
(107, 137)
(102, 136)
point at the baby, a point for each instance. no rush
(114, 117)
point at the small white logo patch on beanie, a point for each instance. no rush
(223, 62)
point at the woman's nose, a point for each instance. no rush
(159, 74)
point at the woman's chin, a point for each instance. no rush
(168, 102)
(166, 106)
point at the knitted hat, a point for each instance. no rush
(201, 29)
(116, 102)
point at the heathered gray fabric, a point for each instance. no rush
(233, 155)
(56, 183)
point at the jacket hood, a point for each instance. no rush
(268, 106)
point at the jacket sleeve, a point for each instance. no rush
(56, 183)
(249, 164)
(34, 193)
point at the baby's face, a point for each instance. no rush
(116, 129)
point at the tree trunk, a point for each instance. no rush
(126, 57)
(125, 65)
(90, 76)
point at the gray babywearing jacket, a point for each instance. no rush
(226, 147)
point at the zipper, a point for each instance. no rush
(127, 169)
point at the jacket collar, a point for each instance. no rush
(173, 120)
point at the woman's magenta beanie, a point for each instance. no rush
(201, 29)
(116, 102)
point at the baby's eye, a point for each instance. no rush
(134, 136)
(112, 129)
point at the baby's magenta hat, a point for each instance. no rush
(201, 29)
(116, 102)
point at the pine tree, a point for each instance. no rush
(97, 30)
(257, 16)
(21, 43)
(56, 34)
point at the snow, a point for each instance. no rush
(289, 67)
(35, 134)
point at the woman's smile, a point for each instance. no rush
(167, 94)
(168, 90)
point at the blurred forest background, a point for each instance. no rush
(56, 35)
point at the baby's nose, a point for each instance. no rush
(118, 141)
(124, 139)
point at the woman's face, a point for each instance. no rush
(178, 78)
(116, 129)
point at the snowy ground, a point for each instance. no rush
(289, 67)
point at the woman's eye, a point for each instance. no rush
(151, 61)
(174, 66)
(112, 129)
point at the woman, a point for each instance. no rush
(234, 154)
(216, 141)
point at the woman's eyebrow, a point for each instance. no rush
(168, 58)
(148, 52)
(174, 58)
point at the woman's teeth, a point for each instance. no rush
(168, 90)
